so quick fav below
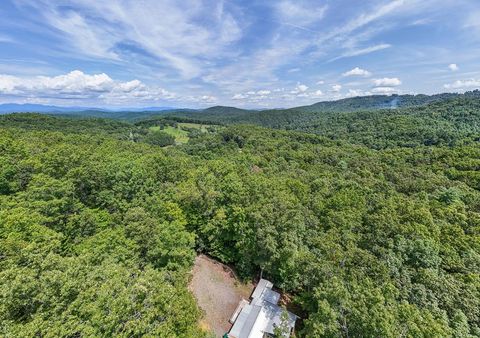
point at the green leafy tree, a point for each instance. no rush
(160, 138)
(283, 329)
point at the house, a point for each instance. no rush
(259, 317)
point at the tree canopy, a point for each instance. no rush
(374, 231)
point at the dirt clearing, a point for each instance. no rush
(218, 292)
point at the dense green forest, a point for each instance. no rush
(353, 104)
(416, 120)
(370, 220)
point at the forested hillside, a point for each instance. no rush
(378, 102)
(442, 123)
(418, 120)
(353, 104)
(373, 226)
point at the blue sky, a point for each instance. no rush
(257, 53)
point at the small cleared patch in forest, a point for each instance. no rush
(218, 293)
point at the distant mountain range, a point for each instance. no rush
(121, 114)
(40, 108)
(224, 114)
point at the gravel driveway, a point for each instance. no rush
(218, 293)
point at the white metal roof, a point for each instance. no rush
(262, 314)
(261, 286)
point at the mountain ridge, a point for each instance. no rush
(351, 104)
(41, 108)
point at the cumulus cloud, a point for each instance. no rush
(336, 88)
(300, 88)
(77, 84)
(387, 82)
(384, 90)
(74, 82)
(301, 91)
(252, 95)
(460, 84)
(453, 67)
(207, 99)
(355, 92)
(130, 86)
(321, 82)
(239, 97)
(357, 72)
(8, 84)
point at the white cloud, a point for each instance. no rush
(289, 46)
(75, 82)
(387, 82)
(300, 88)
(313, 95)
(252, 95)
(179, 40)
(78, 85)
(196, 46)
(292, 12)
(355, 92)
(8, 84)
(208, 99)
(421, 22)
(85, 37)
(336, 88)
(362, 51)
(386, 86)
(301, 91)
(364, 18)
(239, 97)
(461, 84)
(453, 67)
(357, 72)
(384, 90)
(354, 36)
(131, 85)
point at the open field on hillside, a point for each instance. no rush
(202, 127)
(181, 136)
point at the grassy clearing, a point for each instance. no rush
(201, 127)
(181, 136)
